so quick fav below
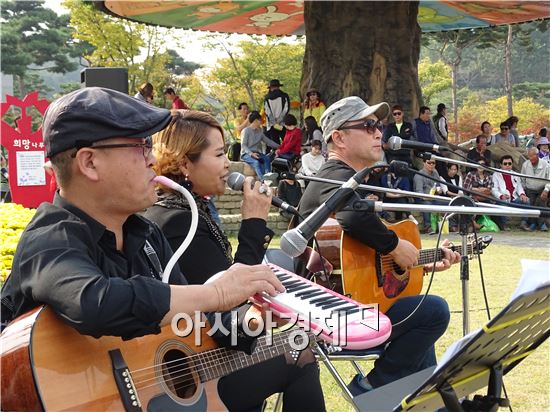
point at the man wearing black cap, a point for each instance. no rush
(351, 129)
(88, 255)
(276, 106)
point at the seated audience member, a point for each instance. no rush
(313, 132)
(400, 128)
(505, 135)
(292, 142)
(544, 153)
(251, 146)
(177, 102)
(480, 151)
(145, 93)
(290, 191)
(534, 141)
(312, 161)
(240, 122)
(313, 105)
(486, 130)
(391, 181)
(190, 150)
(427, 186)
(90, 257)
(508, 188)
(512, 122)
(452, 178)
(351, 129)
(480, 181)
(536, 190)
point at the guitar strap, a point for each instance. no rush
(153, 259)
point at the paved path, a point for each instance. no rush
(513, 238)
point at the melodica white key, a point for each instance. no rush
(337, 319)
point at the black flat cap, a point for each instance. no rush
(88, 115)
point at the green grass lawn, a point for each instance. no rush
(528, 385)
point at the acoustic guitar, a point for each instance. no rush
(48, 365)
(370, 277)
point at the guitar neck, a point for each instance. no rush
(217, 363)
(434, 255)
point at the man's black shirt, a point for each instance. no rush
(69, 261)
(363, 226)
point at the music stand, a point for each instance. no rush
(480, 360)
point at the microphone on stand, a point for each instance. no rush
(235, 181)
(396, 143)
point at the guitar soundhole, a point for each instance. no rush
(178, 375)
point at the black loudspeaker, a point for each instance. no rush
(115, 78)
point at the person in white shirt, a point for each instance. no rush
(536, 190)
(312, 161)
(509, 188)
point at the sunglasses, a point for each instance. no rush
(430, 163)
(370, 125)
(146, 146)
(397, 113)
(503, 128)
(506, 163)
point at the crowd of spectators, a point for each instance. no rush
(304, 148)
(274, 132)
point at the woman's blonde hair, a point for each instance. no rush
(185, 136)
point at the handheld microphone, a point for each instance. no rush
(294, 242)
(396, 143)
(235, 181)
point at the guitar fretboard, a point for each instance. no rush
(434, 255)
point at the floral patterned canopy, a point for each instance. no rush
(286, 17)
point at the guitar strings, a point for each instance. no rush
(217, 360)
(256, 358)
(205, 358)
(195, 357)
(192, 384)
(212, 365)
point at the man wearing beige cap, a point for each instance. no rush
(352, 130)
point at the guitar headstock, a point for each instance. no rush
(476, 246)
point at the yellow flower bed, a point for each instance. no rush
(13, 219)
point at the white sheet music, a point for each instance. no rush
(535, 273)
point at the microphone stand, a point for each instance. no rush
(431, 156)
(464, 222)
(406, 193)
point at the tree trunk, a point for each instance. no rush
(508, 70)
(368, 49)
(21, 82)
(454, 73)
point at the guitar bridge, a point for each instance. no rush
(379, 274)
(124, 382)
